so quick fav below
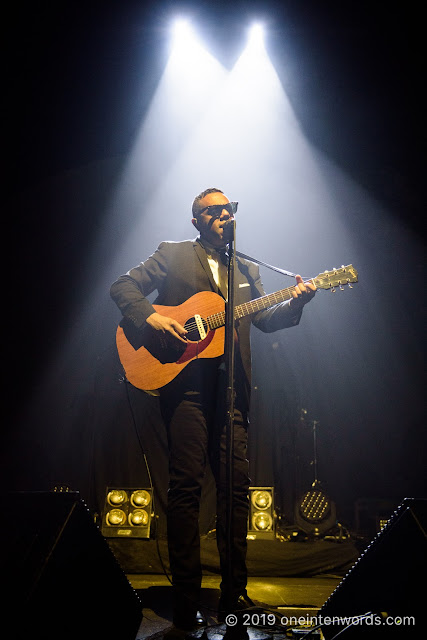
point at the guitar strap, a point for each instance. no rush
(269, 266)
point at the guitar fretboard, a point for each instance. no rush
(247, 308)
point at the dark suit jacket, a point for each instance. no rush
(178, 270)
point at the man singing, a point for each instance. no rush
(193, 404)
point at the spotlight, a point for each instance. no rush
(116, 497)
(256, 35)
(140, 498)
(127, 513)
(255, 47)
(261, 513)
(261, 499)
(139, 518)
(315, 513)
(115, 518)
(191, 68)
(262, 521)
(185, 43)
(181, 30)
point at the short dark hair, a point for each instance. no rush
(196, 202)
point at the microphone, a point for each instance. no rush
(228, 230)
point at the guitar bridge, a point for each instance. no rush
(200, 327)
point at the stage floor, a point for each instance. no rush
(290, 598)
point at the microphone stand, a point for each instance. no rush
(229, 350)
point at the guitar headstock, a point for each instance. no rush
(336, 278)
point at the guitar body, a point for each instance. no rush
(151, 361)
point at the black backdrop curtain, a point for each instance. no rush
(88, 429)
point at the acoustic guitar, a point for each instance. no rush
(151, 360)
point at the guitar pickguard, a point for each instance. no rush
(195, 348)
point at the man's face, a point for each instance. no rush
(210, 227)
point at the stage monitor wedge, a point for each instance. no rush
(386, 582)
(61, 579)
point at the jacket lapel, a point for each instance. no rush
(240, 274)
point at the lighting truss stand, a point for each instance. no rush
(315, 512)
(316, 480)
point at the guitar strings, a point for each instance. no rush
(192, 326)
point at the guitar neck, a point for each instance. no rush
(248, 308)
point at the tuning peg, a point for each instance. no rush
(341, 287)
(350, 286)
(333, 289)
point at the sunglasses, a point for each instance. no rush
(215, 210)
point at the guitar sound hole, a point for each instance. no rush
(193, 331)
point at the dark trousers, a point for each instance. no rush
(195, 421)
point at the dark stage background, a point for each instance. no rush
(79, 82)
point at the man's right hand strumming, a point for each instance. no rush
(167, 326)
